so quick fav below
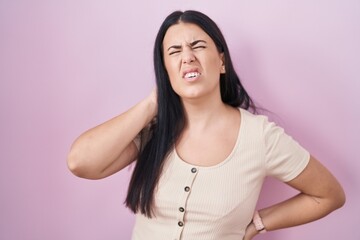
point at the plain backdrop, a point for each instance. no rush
(68, 65)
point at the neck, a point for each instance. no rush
(201, 113)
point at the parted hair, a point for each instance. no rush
(170, 119)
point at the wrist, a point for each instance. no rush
(149, 108)
(253, 231)
(257, 221)
(152, 103)
(250, 232)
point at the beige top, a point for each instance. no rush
(217, 202)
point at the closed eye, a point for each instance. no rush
(199, 47)
(198, 44)
(174, 52)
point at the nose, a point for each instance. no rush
(188, 56)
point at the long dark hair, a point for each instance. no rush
(170, 119)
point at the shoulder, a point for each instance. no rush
(259, 126)
(252, 116)
(257, 121)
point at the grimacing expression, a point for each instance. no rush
(192, 61)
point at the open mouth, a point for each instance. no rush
(191, 75)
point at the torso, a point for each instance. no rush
(217, 202)
(210, 147)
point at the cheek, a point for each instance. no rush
(217, 63)
(213, 67)
(172, 70)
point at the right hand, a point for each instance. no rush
(152, 98)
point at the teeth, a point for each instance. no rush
(192, 74)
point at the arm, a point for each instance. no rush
(109, 147)
(320, 194)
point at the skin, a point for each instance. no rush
(108, 148)
(319, 192)
(188, 47)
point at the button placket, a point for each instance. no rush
(192, 173)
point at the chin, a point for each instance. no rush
(191, 94)
(197, 92)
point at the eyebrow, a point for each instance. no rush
(191, 44)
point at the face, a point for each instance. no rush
(192, 61)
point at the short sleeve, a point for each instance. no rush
(285, 157)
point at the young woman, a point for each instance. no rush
(201, 155)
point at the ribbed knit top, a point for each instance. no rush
(218, 202)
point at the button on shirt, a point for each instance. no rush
(217, 202)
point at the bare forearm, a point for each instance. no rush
(295, 211)
(99, 147)
(298, 210)
(320, 194)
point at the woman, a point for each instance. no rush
(201, 156)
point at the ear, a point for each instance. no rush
(222, 61)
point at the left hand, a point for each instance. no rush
(250, 232)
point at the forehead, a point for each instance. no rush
(181, 33)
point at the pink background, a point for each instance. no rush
(68, 65)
